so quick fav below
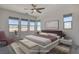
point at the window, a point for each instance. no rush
(13, 24)
(32, 25)
(38, 26)
(68, 21)
(24, 25)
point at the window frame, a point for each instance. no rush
(32, 25)
(68, 15)
(26, 20)
(13, 18)
(38, 25)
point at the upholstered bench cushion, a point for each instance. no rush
(16, 48)
(24, 47)
(28, 43)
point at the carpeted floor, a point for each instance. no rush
(5, 50)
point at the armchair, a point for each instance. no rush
(4, 40)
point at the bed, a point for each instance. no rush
(46, 42)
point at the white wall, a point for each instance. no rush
(4, 14)
(57, 13)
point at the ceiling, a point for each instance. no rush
(48, 11)
(20, 7)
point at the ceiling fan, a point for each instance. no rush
(35, 9)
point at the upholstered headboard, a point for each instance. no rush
(58, 32)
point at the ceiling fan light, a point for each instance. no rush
(34, 10)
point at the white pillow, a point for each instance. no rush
(52, 34)
(41, 33)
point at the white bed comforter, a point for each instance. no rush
(39, 40)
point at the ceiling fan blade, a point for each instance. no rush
(40, 8)
(31, 9)
(38, 11)
(33, 5)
